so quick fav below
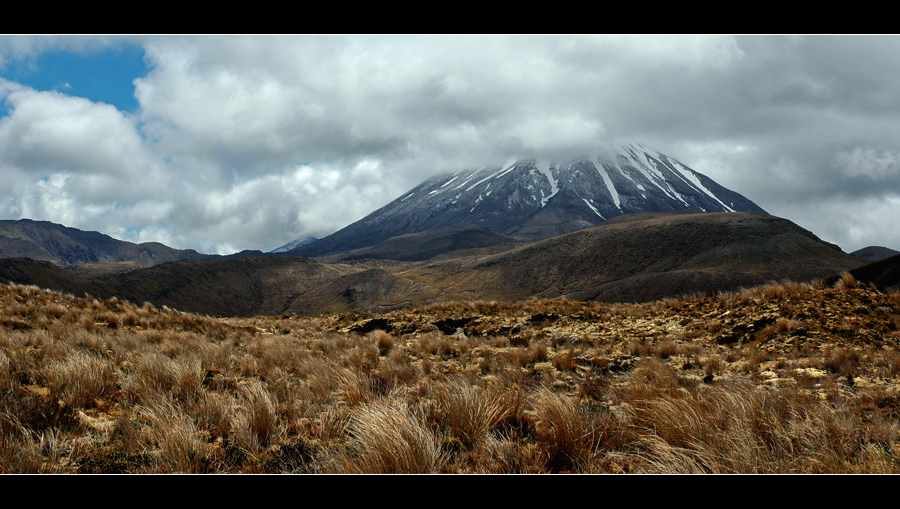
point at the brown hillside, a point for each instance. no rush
(429, 244)
(64, 246)
(645, 258)
(637, 259)
(229, 287)
(42, 274)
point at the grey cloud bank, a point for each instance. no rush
(246, 142)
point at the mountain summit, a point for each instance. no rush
(535, 200)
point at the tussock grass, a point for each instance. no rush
(175, 437)
(564, 433)
(389, 438)
(734, 428)
(35, 453)
(258, 423)
(470, 412)
(79, 379)
(785, 378)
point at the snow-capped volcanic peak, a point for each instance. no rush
(534, 199)
(636, 180)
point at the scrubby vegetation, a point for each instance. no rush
(785, 378)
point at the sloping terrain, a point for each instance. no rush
(235, 287)
(302, 241)
(429, 244)
(232, 287)
(875, 253)
(634, 259)
(884, 274)
(65, 246)
(91, 253)
(42, 274)
(644, 258)
(539, 200)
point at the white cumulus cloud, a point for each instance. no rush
(246, 142)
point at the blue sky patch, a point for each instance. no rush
(101, 76)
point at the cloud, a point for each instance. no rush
(249, 141)
(851, 223)
(74, 161)
(49, 131)
(868, 163)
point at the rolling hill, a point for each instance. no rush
(646, 257)
(65, 246)
(636, 258)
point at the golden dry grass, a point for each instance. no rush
(785, 378)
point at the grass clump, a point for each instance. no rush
(388, 438)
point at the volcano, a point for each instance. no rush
(531, 199)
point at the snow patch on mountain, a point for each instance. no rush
(692, 176)
(554, 184)
(604, 174)
(593, 208)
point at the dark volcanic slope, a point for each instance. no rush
(43, 274)
(645, 259)
(235, 286)
(883, 274)
(427, 245)
(225, 287)
(875, 253)
(64, 246)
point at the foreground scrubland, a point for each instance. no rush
(786, 378)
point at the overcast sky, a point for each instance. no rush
(225, 143)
